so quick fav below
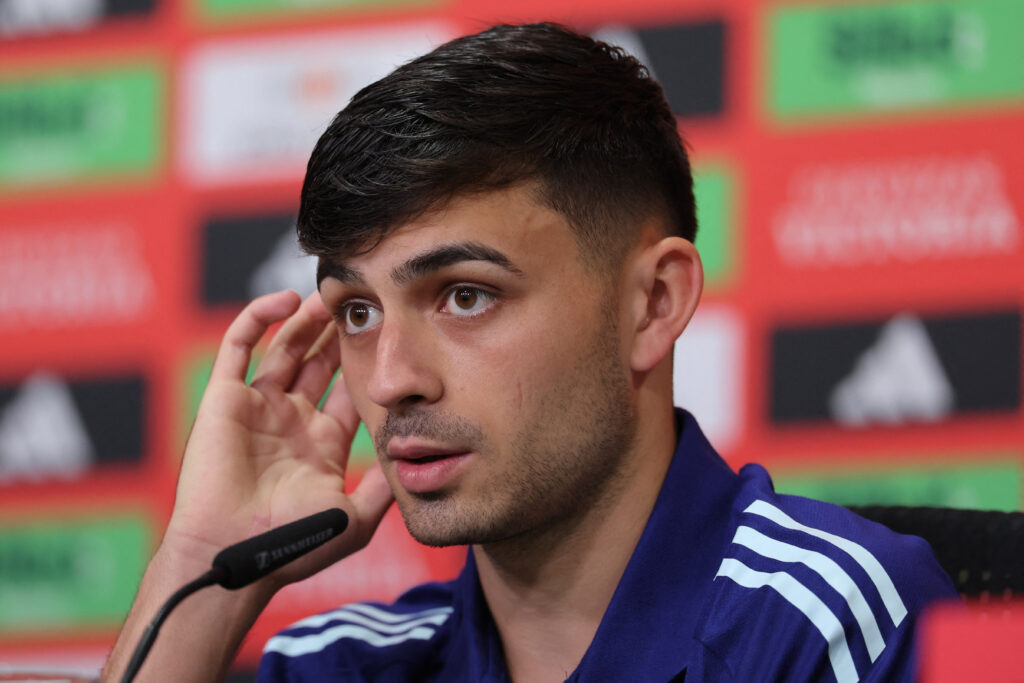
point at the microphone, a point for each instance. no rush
(252, 559)
(240, 564)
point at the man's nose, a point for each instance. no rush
(405, 371)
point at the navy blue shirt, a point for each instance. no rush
(729, 582)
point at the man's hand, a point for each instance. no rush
(263, 455)
(259, 456)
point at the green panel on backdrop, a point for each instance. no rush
(897, 55)
(72, 125)
(198, 376)
(983, 484)
(70, 573)
(714, 189)
(218, 9)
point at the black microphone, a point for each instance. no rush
(242, 563)
(252, 559)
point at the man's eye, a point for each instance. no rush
(467, 301)
(359, 317)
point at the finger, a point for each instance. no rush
(284, 355)
(339, 405)
(371, 498)
(235, 352)
(318, 366)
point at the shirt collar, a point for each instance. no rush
(475, 637)
(651, 619)
(650, 623)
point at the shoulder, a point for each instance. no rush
(806, 590)
(364, 641)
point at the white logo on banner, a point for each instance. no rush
(73, 276)
(255, 107)
(287, 267)
(898, 379)
(708, 373)
(24, 17)
(896, 211)
(41, 432)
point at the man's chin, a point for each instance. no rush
(437, 521)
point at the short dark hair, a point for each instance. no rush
(537, 102)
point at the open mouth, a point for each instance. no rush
(431, 473)
(430, 458)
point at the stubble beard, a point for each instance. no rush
(566, 458)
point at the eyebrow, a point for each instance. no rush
(422, 264)
(339, 271)
(446, 255)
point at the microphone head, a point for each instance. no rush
(254, 558)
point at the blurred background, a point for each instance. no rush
(860, 181)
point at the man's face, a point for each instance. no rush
(486, 361)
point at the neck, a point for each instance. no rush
(548, 590)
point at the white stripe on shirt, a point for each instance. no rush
(886, 589)
(827, 569)
(804, 600)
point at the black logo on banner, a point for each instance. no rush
(906, 369)
(43, 17)
(687, 59)
(247, 256)
(55, 427)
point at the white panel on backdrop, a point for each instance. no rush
(708, 373)
(254, 108)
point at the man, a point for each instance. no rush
(505, 233)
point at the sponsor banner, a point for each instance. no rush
(875, 56)
(906, 369)
(978, 641)
(248, 256)
(714, 187)
(44, 17)
(78, 123)
(687, 59)
(197, 376)
(254, 108)
(58, 428)
(246, 9)
(68, 573)
(708, 373)
(86, 268)
(984, 482)
(897, 211)
(54, 662)
(837, 220)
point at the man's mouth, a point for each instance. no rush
(429, 458)
(424, 467)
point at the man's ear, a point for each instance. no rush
(666, 282)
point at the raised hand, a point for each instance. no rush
(261, 455)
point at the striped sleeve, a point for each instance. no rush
(368, 624)
(809, 592)
(357, 642)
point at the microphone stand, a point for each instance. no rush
(214, 575)
(242, 563)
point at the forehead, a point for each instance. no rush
(508, 227)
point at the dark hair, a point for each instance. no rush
(513, 103)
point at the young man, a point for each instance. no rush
(505, 232)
